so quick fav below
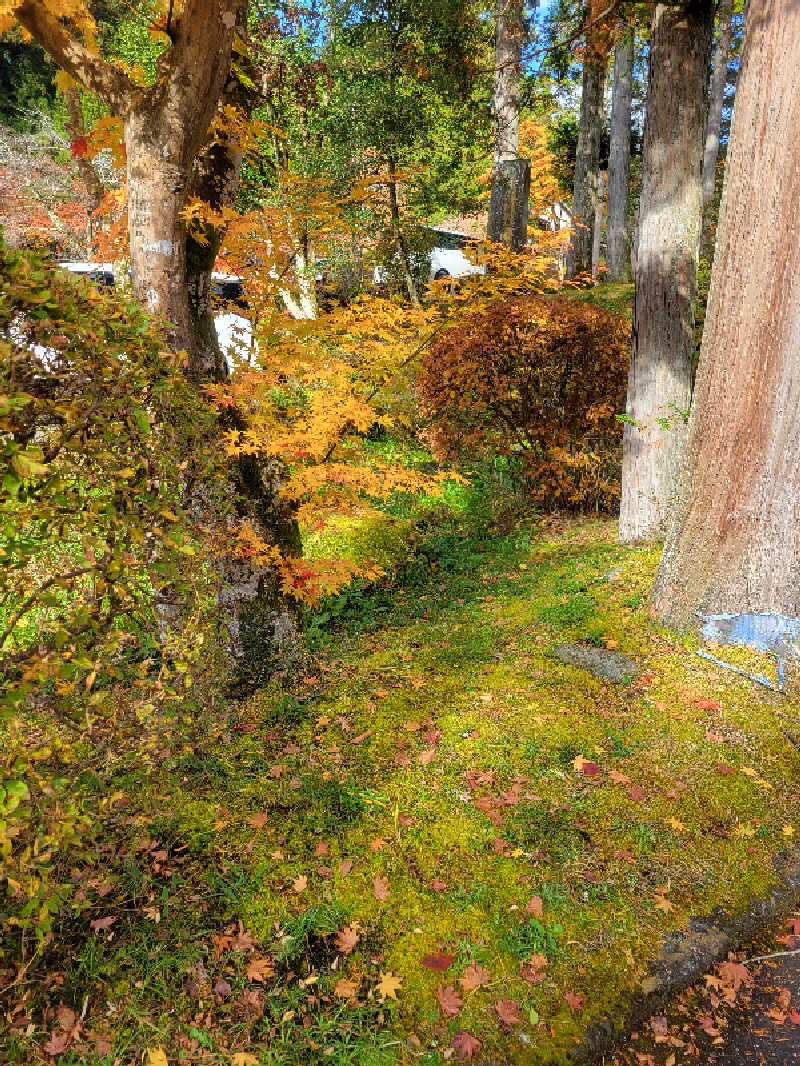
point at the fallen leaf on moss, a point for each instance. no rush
(300, 884)
(508, 1012)
(474, 977)
(465, 1045)
(259, 970)
(449, 1000)
(347, 939)
(534, 906)
(574, 1001)
(381, 888)
(388, 985)
(345, 989)
(439, 962)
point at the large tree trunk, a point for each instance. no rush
(508, 212)
(587, 160)
(735, 542)
(166, 133)
(508, 56)
(716, 97)
(618, 256)
(670, 217)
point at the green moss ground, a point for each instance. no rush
(373, 762)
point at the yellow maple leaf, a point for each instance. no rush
(156, 1056)
(243, 1058)
(673, 823)
(388, 985)
(788, 830)
(345, 989)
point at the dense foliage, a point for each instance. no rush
(95, 425)
(539, 379)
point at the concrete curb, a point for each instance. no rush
(686, 956)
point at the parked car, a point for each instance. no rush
(447, 255)
(102, 274)
(446, 258)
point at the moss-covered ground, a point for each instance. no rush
(442, 831)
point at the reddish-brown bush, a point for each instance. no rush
(542, 379)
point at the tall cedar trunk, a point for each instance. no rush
(597, 232)
(619, 161)
(508, 211)
(735, 541)
(166, 127)
(670, 217)
(716, 96)
(587, 159)
(508, 57)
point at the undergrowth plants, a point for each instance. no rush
(432, 802)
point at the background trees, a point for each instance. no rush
(667, 250)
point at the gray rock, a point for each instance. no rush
(605, 664)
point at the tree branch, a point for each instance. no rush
(93, 72)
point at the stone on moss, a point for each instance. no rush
(603, 663)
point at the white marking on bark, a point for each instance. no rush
(161, 247)
(151, 299)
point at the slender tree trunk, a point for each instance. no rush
(716, 96)
(399, 239)
(587, 159)
(76, 128)
(619, 161)
(597, 232)
(670, 217)
(735, 542)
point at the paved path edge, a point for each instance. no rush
(688, 954)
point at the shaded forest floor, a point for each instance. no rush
(445, 844)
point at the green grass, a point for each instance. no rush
(275, 823)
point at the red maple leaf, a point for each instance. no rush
(465, 1045)
(508, 1012)
(80, 147)
(439, 962)
(449, 1000)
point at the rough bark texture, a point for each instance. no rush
(597, 231)
(166, 129)
(587, 158)
(735, 541)
(716, 98)
(618, 256)
(508, 207)
(508, 55)
(668, 242)
(508, 210)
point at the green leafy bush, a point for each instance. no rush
(95, 431)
